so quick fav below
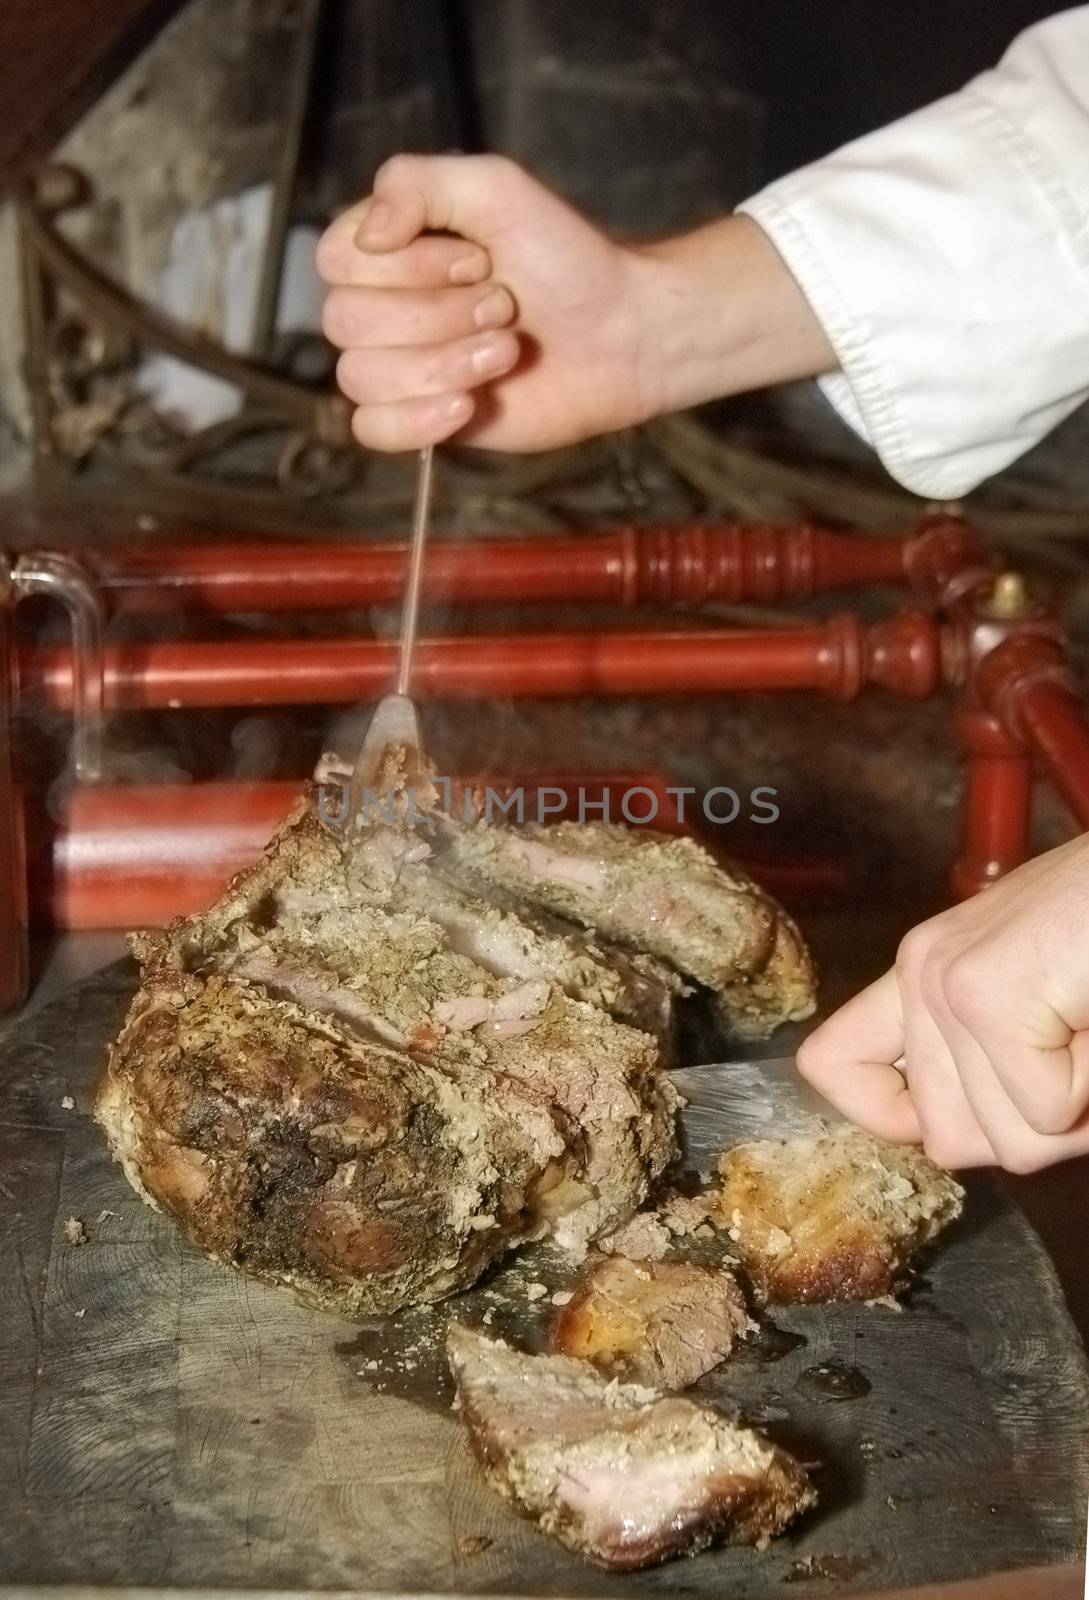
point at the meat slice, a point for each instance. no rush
(619, 1473)
(663, 1323)
(831, 1215)
(511, 941)
(663, 895)
(784, 989)
(325, 1093)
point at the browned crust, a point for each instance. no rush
(783, 990)
(735, 1507)
(665, 1323)
(477, 1151)
(832, 1240)
(295, 1153)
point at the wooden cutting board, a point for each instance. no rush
(167, 1422)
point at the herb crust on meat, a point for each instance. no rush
(619, 1473)
(661, 894)
(324, 1093)
(370, 1069)
(835, 1214)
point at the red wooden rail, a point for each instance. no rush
(626, 566)
(838, 657)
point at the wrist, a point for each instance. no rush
(720, 313)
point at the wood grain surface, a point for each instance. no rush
(167, 1423)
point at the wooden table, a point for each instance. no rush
(167, 1423)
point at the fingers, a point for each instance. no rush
(1018, 1142)
(950, 1129)
(465, 195)
(989, 1003)
(384, 377)
(400, 235)
(849, 1060)
(431, 262)
(412, 424)
(413, 311)
(1040, 1061)
(368, 316)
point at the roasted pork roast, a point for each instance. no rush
(373, 1066)
(666, 896)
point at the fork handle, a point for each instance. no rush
(410, 606)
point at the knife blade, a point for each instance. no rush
(729, 1101)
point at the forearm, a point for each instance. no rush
(723, 314)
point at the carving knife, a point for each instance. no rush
(730, 1101)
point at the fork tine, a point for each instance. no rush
(394, 725)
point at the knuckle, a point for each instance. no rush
(1020, 1156)
(375, 429)
(942, 1147)
(364, 428)
(328, 257)
(334, 318)
(349, 377)
(962, 987)
(1051, 1114)
(913, 950)
(810, 1058)
(395, 170)
(438, 370)
(501, 168)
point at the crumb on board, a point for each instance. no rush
(81, 1313)
(536, 1291)
(643, 1237)
(562, 1297)
(67, 1103)
(75, 1231)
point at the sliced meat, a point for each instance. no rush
(651, 892)
(508, 939)
(503, 1109)
(617, 1472)
(665, 1323)
(831, 1215)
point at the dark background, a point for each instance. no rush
(651, 114)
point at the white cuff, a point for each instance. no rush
(947, 258)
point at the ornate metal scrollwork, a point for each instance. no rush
(87, 335)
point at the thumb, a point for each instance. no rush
(433, 194)
(849, 1059)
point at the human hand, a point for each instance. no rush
(525, 290)
(988, 1009)
(465, 296)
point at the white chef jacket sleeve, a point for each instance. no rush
(947, 257)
